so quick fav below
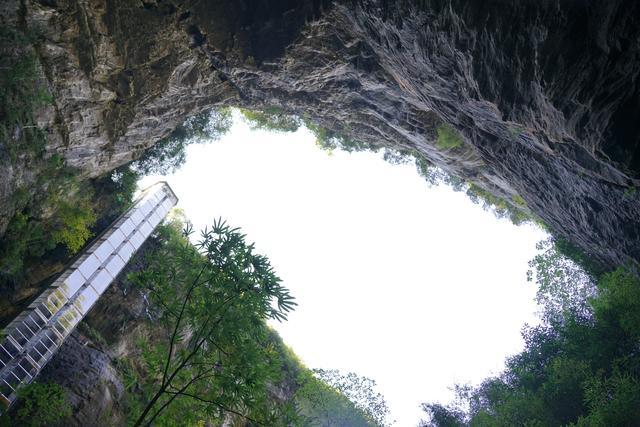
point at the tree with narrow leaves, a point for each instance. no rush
(213, 299)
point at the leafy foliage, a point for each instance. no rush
(360, 391)
(168, 154)
(578, 256)
(564, 288)
(114, 192)
(75, 222)
(271, 119)
(215, 360)
(442, 416)
(274, 119)
(580, 367)
(60, 212)
(21, 239)
(324, 405)
(501, 208)
(329, 140)
(30, 235)
(612, 401)
(39, 405)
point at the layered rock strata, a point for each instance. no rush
(545, 94)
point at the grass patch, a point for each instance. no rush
(448, 137)
(630, 192)
(518, 200)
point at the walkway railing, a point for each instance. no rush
(32, 338)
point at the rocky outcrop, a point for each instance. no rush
(92, 385)
(92, 363)
(544, 93)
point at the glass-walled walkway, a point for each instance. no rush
(32, 338)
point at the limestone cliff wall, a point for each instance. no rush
(544, 93)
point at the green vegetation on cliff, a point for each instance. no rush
(168, 155)
(448, 138)
(212, 299)
(64, 215)
(55, 225)
(276, 120)
(580, 366)
(271, 119)
(330, 398)
(207, 355)
(39, 405)
(60, 215)
(55, 212)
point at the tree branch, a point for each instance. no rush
(175, 394)
(219, 405)
(165, 383)
(175, 330)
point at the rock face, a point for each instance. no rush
(545, 94)
(90, 365)
(93, 387)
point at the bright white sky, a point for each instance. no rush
(415, 287)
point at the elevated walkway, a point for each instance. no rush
(32, 338)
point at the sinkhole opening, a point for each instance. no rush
(417, 283)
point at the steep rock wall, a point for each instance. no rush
(544, 93)
(95, 364)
